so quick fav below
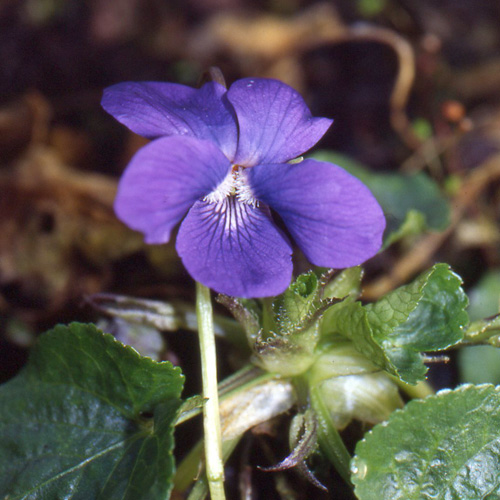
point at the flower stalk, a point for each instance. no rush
(211, 415)
(329, 438)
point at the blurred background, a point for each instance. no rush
(413, 87)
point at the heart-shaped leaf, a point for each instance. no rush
(426, 315)
(88, 418)
(443, 447)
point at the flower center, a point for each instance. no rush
(236, 185)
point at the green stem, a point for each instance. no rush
(189, 469)
(419, 391)
(200, 490)
(191, 465)
(329, 438)
(211, 416)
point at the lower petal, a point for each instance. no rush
(235, 249)
(332, 216)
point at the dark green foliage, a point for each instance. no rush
(88, 418)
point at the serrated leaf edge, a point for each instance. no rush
(418, 402)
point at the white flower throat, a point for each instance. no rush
(235, 184)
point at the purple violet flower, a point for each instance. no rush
(220, 156)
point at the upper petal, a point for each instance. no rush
(234, 248)
(332, 216)
(275, 124)
(163, 180)
(155, 109)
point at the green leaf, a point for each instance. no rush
(422, 128)
(370, 8)
(287, 342)
(426, 315)
(484, 330)
(296, 303)
(350, 320)
(346, 284)
(443, 447)
(485, 296)
(413, 225)
(481, 364)
(88, 418)
(398, 195)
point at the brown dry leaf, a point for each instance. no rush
(268, 36)
(264, 44)
(16, 125)
(273, 46)
(49, 213)
(59, 233)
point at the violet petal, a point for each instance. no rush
(332, 216)
(275, 123)
(155, 109)
(163, 180)
(235, 249)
